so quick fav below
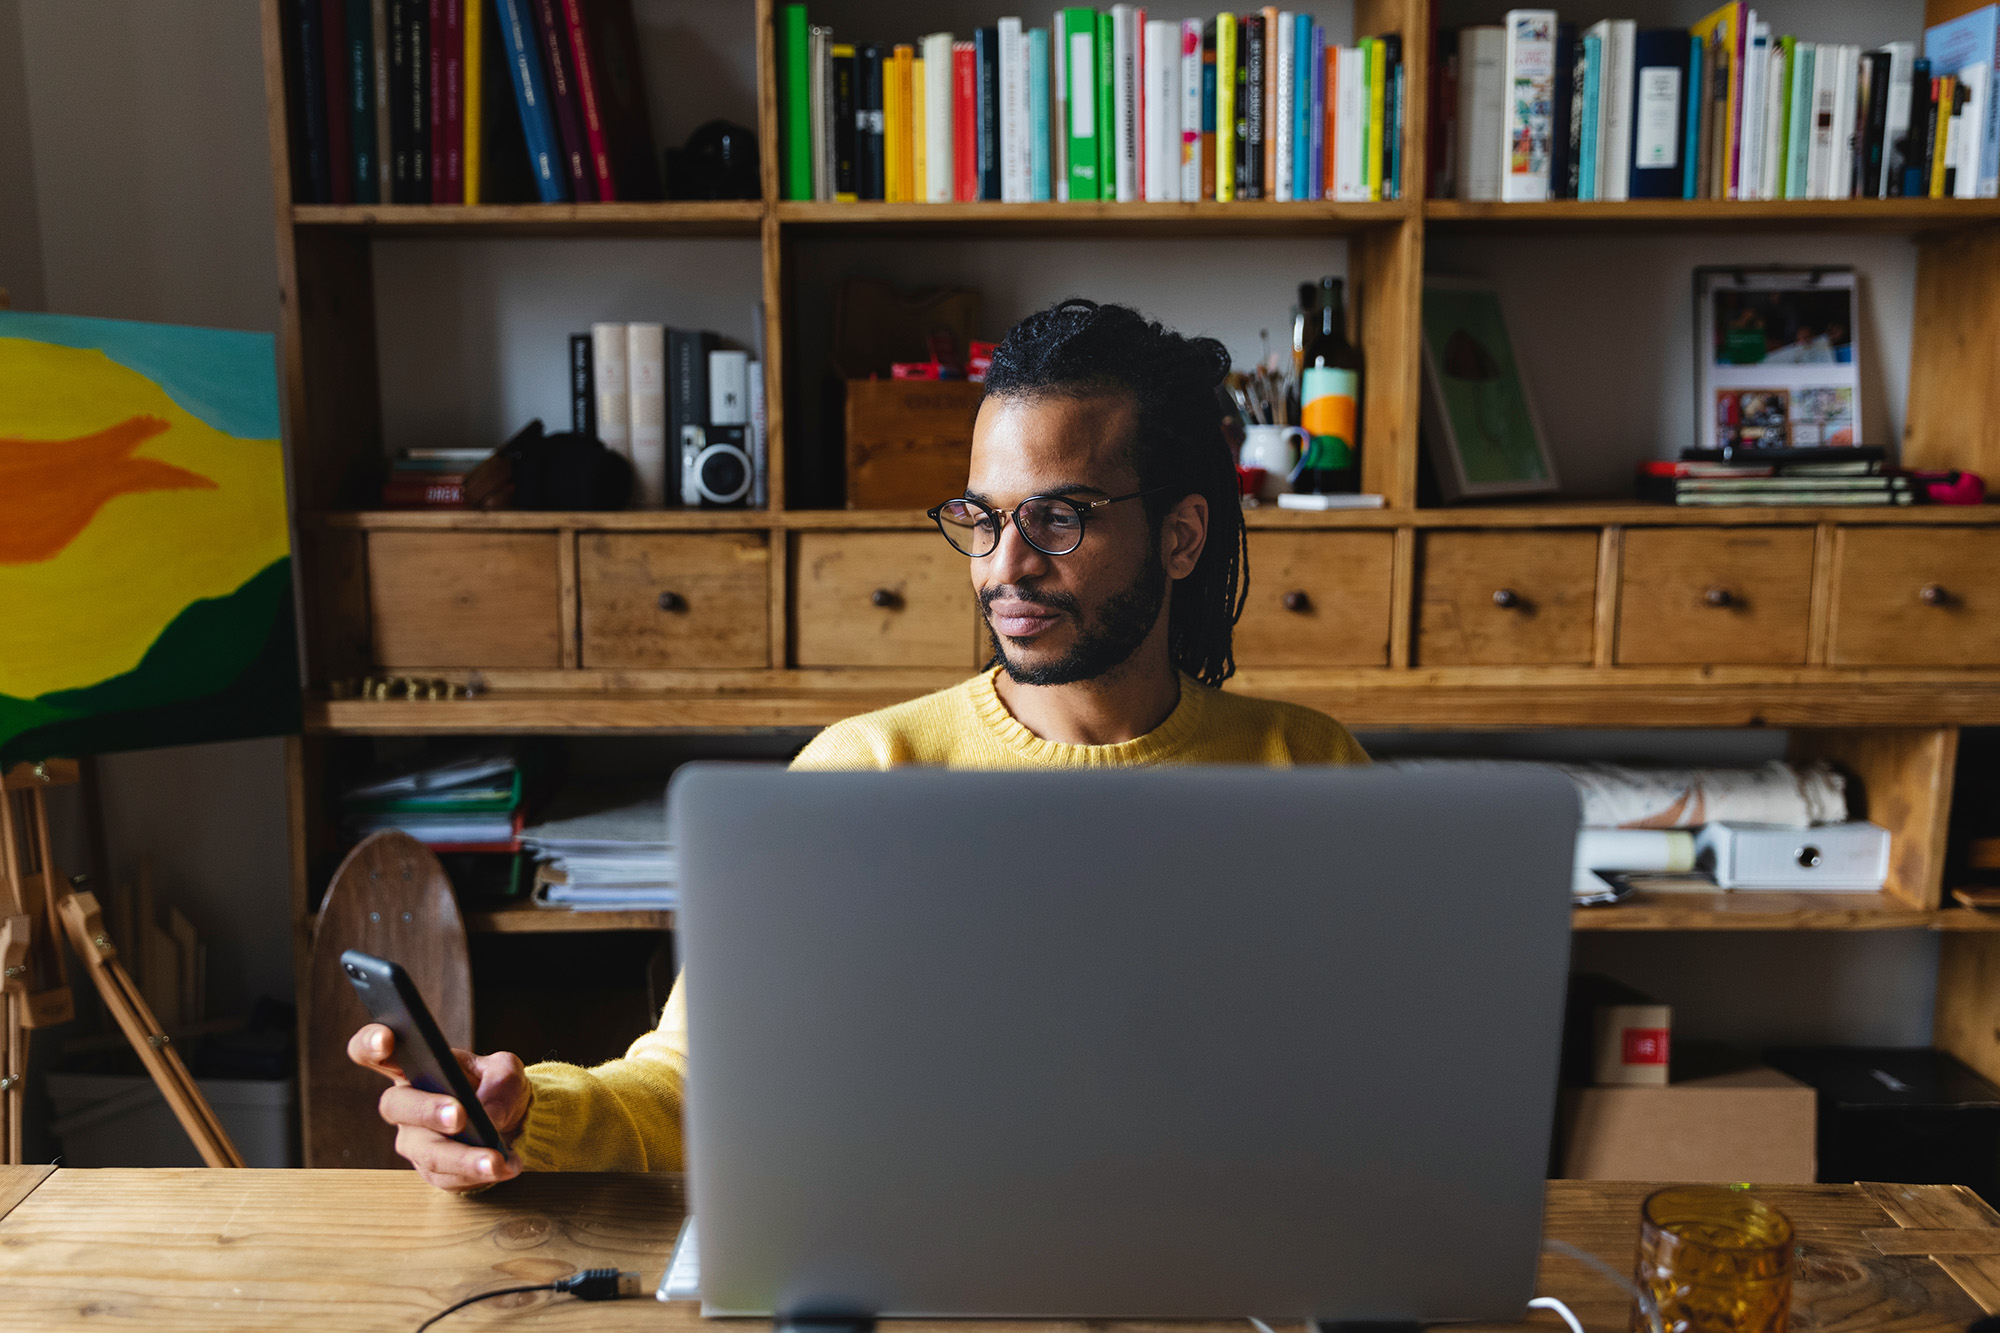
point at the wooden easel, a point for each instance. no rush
(34, 982)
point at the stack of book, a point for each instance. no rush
(1100, 106)
(467, 102)
(433, 478)
(603, 849)
(469, 803)
(1539, 109)
(1842, 476)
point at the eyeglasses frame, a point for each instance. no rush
(1083, 510)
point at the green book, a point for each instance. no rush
(1107, 138)
(1790, 46)
(797, 109)
(1799, 71)
(1077, 28)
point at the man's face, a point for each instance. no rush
(1057, 619)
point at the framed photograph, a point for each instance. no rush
(1479, 423)
(1777, 359)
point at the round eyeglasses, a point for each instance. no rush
(1052, 524)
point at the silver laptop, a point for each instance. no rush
(1163, 1043)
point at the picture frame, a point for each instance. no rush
(1480, 428)
(1777, 358)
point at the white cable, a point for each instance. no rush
(1639, 1294)
(1263, 1327)
(1562, 1311)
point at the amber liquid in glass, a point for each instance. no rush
(1715, 1260)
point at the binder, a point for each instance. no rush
(1659, 121)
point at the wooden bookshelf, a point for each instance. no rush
(1798, 656)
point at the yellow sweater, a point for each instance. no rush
(625, 1114)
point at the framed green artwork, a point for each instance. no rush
(1479, 424)
(145, 553)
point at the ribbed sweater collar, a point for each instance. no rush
(1155, 746)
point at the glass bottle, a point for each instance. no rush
(1330, 401)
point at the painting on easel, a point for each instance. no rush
(145, 558)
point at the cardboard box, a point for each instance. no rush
(1752, 1124)
(909, 442)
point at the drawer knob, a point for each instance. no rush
(1932, 594)
(673, 601)
(1506, 599)
(1808, 857)
(1718, 597)
(1297, 601)
(886, 598)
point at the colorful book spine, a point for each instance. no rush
(940, 140)
(895, 125)
(1588, 156)
(1378, 68)
(1268, 180)
(1080, 101)
(472, 125)
(1040, 165)
(1107, 114)
(986, 46)
(1013, 112)
(844, 112)
(1226, 117)
(1208, 96)
(1284, 110)
(1697, 57)
(531, 99)
(449, 43)
(563, 102)
(1321, 102)
(964, 122)
(597, 143)
(1191, 110)
(1392, 121)
(1723, 30)
(794, 39)
(1527, 105)
(1302, 118)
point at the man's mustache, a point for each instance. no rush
(1048, 600)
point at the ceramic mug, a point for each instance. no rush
(1274, 449)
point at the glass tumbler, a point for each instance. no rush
(1716, 1260)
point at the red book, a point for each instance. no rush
(559, 74)
(339, 98)
(434, 490)
(964, 122)
(434, 92)
(586, 91)
(448, 46)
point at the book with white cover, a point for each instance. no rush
(1124, 103)
(1059, 105)
(1840, 168)
(1756, 64)
(611, 386)
(1527, 99)
(1013, 103)
(1977, 81)
(1482, 63)
(1902, 55)
(939, 144)
(1190, 119)
(1774, 124)
(1285, 110)
(1614, 108)
(1819, 150)
(1163, 110)
(819, 82)
(1350, 126)
(646, 361)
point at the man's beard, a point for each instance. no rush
(1122, 624)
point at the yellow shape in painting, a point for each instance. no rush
(92, 609)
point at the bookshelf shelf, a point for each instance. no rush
(1758, 911)
(733, 217)
(1690, 215)
(1249, 218)
(553, 921)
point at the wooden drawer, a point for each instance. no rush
(882, 599)
(1722, 595)
(1506, 598)
(464, 599)
(1316, 599)
(656, 599)
(1916, 597)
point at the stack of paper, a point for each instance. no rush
(470, 801)
(605, 848)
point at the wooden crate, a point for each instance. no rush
(909, 442)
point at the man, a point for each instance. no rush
(1107, 550)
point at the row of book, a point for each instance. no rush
(1537, 109)
(1855, 475)
(467, 102)
(688, 412)
(1101, 105)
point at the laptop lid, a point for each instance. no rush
(1167, 1043)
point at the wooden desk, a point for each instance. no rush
(328, 1250)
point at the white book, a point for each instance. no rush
(729, 388)
(646, 358)
(819, 90)
(939, 143)
(1977, 81)
(1840, 168)
(1482, 62)
(1527, 99)
(1350, 132)
(611, 386)
(760, 451)
(1013, 124)
(1124, 103)
(1059, 106)
(1190, 120)
(1288, 77)
(1819, 151)
(1774, 124)
(1756, 62)
(1614, 108)
(1163, 110)
(1897, 124)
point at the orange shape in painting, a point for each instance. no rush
(51, 489)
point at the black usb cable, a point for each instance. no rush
(592, 1284)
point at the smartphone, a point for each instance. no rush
(421, 1050)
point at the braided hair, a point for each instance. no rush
(1080, 349)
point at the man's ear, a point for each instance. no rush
(1183, 534)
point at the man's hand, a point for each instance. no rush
(424, 1120)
